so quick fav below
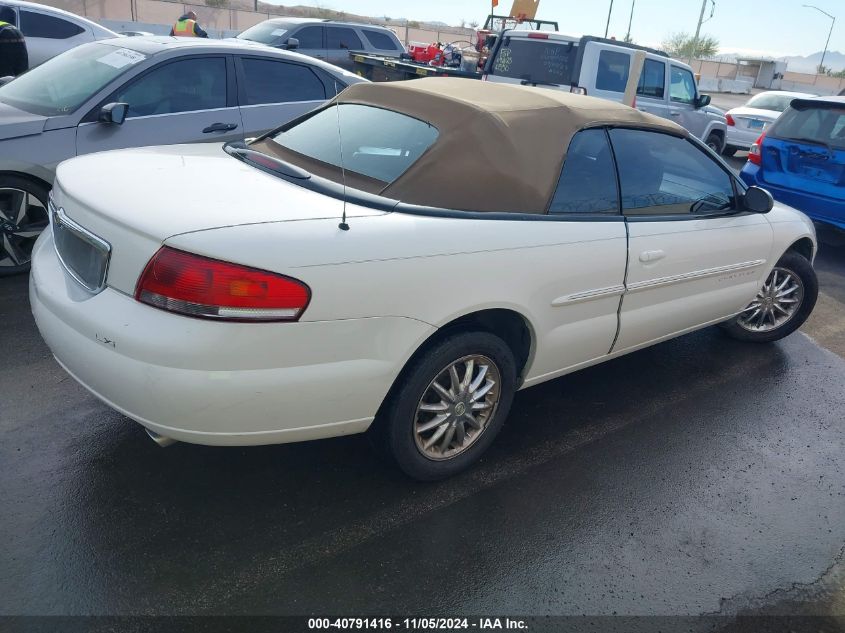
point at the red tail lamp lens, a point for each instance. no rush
(202, 287)
(755, 154)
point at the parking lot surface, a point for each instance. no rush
(702, 475)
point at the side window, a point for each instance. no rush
(379, 40)
(7, 14)
(661, 174)
(269, 81)
(184, 86)
(613, 71)
(310, 37)
(588, 181)
(338, 37)
(653, 79)
(682, 86)
(41, 25)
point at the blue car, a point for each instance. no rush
(800, 159)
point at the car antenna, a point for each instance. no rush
(343, 226)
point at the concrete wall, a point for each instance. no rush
(714, 73)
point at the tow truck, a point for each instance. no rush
(449, 60)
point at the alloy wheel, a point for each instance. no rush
(775, 304)
(457, 407)
(22, 219)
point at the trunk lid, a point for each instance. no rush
(753, 119)
(136, 199)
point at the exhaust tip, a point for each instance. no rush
(161, 440)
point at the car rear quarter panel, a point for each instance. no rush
(439, 269)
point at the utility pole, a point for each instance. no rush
(829, 33)
(697, 31)
(630, 19)
(609, 11)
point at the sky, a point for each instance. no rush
(753, 27)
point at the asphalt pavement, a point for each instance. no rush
(701, 476)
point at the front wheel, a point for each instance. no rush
(781, 306)
(23, 215)
(449, 407)
(714, 142)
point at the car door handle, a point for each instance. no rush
(220, 127)
(674, 114)
(651, 256)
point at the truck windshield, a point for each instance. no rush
(536, 61)
(63, 83)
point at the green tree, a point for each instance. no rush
(683, 45)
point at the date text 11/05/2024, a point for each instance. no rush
(416, 624)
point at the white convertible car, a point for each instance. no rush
(402, 261)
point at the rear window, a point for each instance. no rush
(377, 143)
(381, 41)
(41, 25)
(821, 125)
(774, 102)
(536, 60)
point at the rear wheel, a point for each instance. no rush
(449, 407)
(781, 306)
(23, 215)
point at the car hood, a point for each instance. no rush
(757, 113)
(15, 123)
(164, 191)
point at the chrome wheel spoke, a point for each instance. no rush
(433, 423)
(776, 303)
(23, 208)
(449, 421)
(15, 255)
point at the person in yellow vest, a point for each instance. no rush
(14, 60)
(187, 26)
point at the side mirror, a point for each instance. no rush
(113, 113)
(702, 101)
(6, 79)
(291, 44)
(757, 200)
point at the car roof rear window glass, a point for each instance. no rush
(271, 33)
(536, 60)
(62, 84)
(40, 25)
(777, 103)
(588, 180)
(612, 73)
(379, 40)
(823, 125)
(377, 143)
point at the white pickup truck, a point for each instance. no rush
(601, 68)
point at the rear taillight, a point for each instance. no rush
(729, 119)
(538, 36)
(755, 153)
(201, 287)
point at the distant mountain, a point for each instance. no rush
(833, 60)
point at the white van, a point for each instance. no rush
(600, 68)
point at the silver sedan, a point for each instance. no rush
(132, 92)
(746, 123)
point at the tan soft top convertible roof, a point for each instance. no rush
(500, 147)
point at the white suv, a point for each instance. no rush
(49, 31)
(600, 68)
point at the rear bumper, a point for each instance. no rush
(741, 139)
(819, 208)
(219, 383)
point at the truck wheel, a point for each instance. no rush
(449, 407)
(714, 142)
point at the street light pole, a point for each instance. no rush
(609, 11)
(829, 33)
(630, 19)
